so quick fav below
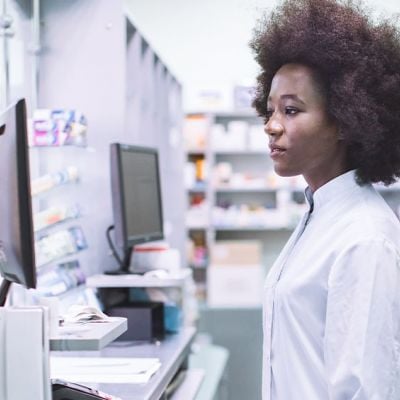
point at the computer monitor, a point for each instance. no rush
(17, 251)
(136, 198)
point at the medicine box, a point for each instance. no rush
(235, 286)
(236, 252)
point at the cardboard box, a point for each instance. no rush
(236, 252)
(235, 286)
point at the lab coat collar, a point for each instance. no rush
(332, 191)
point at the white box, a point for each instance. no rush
(236, 253)
(235, 286)
(24, 349)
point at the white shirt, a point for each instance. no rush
(332, 301)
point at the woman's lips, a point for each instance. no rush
(277, 151)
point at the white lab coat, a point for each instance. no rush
(332, 301)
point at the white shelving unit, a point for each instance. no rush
(251, 229)
(55, 160)
(132, 98)
(228, 168)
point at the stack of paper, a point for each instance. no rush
(103, 369)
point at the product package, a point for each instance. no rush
(54, 215)
(60, 244)
(60, 279)
(49, 181)
(58, 128)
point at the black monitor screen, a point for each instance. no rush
(17, 257)
(136, 195)
(141, 193)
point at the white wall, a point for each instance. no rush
(205, 43)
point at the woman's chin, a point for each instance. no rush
(284, 172)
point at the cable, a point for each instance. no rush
(112, 247)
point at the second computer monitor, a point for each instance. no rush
(136, 195)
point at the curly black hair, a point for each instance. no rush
(359, 64)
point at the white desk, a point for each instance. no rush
(177, 278)
(173, 353)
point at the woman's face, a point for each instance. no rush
(302, 138)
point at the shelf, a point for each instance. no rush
(245, 189)
(62, 146)
(199, 265)
(73, 291)
(89, 336)
(196, 152)
(266, 189)
(242, 152)
(41, 231)
(251, 228)
(235, 114)
(197, 190)
(139, 281)
(257, 189)
(57, 260)
(197, 228)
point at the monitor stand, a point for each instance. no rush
(139, 271)
(125, 267)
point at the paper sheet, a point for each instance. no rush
(103, 369)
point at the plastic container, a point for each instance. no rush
(156, 257)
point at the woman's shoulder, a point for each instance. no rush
(371, 219)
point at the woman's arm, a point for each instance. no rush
(362, 332)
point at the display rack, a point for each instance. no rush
(232, 191)
(59, 236)
(133, 98)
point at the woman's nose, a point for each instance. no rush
(273, 126)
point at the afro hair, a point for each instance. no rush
(358, 61)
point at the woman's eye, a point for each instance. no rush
(291, 110)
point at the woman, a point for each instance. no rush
(329, 91)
